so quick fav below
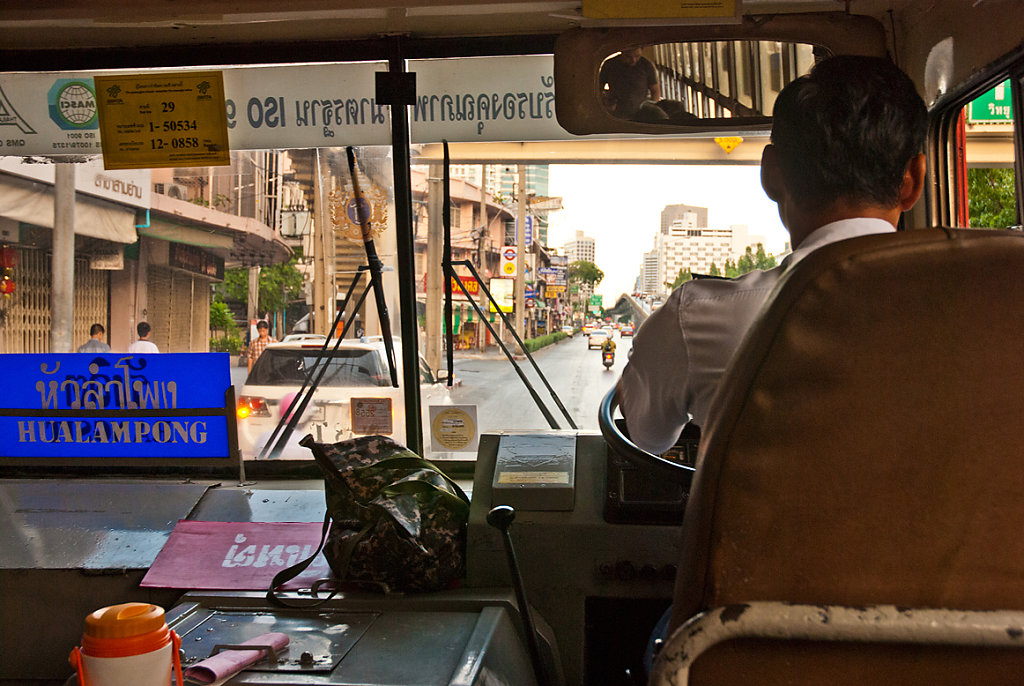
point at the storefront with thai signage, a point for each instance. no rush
(105, 211)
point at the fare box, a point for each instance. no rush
(535, 472)
(162, 119)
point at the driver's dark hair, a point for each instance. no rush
(143, 329)
(846, 131)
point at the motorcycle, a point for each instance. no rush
(607, 358)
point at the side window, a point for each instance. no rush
(986, 177)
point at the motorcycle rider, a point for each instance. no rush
(607, 348)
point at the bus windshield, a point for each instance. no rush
(525, 243)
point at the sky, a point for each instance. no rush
(619, 206)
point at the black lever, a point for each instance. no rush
(501, 517)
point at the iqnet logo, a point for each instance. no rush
(72, 104)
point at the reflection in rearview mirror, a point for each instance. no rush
(681, 83)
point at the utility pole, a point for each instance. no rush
(481, 328)
(520, 308)
(253, 295)
(435, 272)
(63, 261)
(323, 254)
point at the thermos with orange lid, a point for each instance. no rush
(127, 645)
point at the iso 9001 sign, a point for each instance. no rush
(168, 119)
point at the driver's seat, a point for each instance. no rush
(867, 447)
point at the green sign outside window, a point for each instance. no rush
(993, 106)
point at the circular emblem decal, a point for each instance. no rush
(73, 105)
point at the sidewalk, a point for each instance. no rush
(491, 353)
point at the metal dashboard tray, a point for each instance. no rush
(318, 640)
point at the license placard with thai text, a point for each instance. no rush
(170, 119)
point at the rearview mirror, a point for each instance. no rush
(684, 83)
(695, 79)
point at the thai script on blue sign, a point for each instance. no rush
(43, 393)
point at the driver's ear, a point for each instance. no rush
(771, 175)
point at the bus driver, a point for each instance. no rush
(845, 160)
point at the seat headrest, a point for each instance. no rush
(865, 445)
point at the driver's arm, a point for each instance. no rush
(653, 386)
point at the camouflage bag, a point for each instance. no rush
(394, 521)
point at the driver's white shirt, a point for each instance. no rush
(681, 351)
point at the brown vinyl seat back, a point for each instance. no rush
(867, 447)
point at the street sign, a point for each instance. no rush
(528, 236)
(508, 260)
(545, 203)
(502, 290)
(471, 284)
(994, 106)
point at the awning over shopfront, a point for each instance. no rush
(31, 202)
(241, 241)
(189, 235)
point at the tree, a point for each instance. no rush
(682, 277)
(583, 271)
(277, 282)
(990, 198)
(749, 261)
(221, 318)
(762, 260)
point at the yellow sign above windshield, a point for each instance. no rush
(162, 119)
(630, 9)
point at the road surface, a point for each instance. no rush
(574, 372)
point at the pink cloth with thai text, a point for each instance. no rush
(230, 662)
(236, 556)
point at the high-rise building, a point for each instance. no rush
(649, 273)
(695, 249)
(580, 248)
(690, 215)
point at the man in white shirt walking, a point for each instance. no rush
(143, 345)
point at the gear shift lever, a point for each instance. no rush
(501, 517)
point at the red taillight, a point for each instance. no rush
(252, 406)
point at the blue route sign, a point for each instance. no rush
(169, 405)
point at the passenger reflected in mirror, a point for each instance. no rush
(692, 82)
(630, 87)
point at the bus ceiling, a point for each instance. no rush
(46, 33)
(929, 40)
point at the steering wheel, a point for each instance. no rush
(622, 445)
